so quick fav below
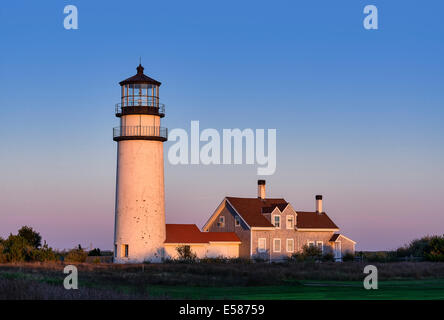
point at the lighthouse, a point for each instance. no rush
(139, 231)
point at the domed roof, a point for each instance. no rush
(140, 77)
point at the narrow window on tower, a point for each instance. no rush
(115, 251)
(124, 252)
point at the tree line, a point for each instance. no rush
(26, 246)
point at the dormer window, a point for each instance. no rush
(277, 221)
(221, 222)
(290, 222)
(236, 221)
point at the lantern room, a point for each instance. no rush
(140, 95)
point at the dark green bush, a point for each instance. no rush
(430, 248)
(26, 246)
(348, 256)
(95, 253)
(311, 253)
(435, 249)
(76, 255)
(328, 257)
(297, 257)
(185, 254)
(221, 259)
(33, 238)
(259, 259)
(17, 249)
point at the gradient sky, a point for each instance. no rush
(358, 113)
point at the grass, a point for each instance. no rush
(307, 290)
(404, 280)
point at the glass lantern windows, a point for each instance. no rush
(140, 94)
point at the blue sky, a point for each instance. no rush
(357, 112)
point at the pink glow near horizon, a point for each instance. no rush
(67, 214)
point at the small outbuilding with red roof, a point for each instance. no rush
(203, 244)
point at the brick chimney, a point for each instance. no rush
(261, 189)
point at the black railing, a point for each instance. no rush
(140, 131)
(140, 101)
(150, 107)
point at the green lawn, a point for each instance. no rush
(311, 290)
(136, 283)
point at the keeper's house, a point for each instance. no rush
(267, 228)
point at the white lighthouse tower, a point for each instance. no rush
(139, 231)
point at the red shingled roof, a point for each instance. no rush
(252, 209)
(190, 233)
(314, 220)
(184, 233)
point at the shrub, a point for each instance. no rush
(435, 249)
(239, 260)
(45, 253)
(33, 238)
(418, 247)
(429, 248)
(185, 254)
(297, 257)
(259, 259)
(3, 258)
(16, 249)
(348, 256)
(95, 253)
(403, 252)
(312, 253)
(328, 257)
(216, 260)
(24, 247)
(377, 256)
(76, 255)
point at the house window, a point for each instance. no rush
(277, 221)
(262, 245)
(320, 245)
(290, 222)
(277, 245)
(311, 243)
(236, 221)
(290, 245)
(221, 222)
(124, 252)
